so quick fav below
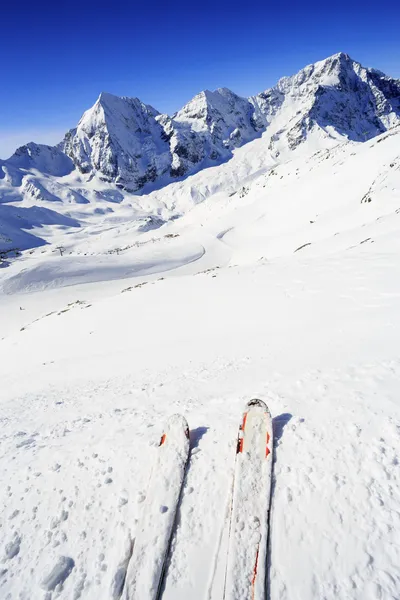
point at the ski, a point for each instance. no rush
(146, 567)
(248, 537)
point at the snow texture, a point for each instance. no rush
(59, 573)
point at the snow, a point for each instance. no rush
(280, 281)
(47, 159)
(66, 271)
(59, 573)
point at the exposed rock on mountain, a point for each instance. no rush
(334, 97)
(120, 139)
(131, 144)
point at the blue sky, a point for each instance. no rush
(57, 57)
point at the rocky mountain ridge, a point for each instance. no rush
(124, 150)
(130, 144)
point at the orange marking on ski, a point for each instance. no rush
(253, 581)
(240, 439)
(267, 451)
(163, 438)
(244, 421)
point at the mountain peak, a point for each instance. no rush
(332, 98)
(339, 56)
(340, 60)
(47, 159)
(105, 97)
(118, 137)
(112, 102)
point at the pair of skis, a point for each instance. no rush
(248, 535)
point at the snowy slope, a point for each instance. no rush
(136, 322)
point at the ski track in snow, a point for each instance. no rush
(90, 374)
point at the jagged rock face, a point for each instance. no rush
(337, 96)
(120, 139)
(222, 119)
(186, 147)
(209, 127)
(130, 143)
(361, 104)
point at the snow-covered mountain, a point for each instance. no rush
(131, 144)
(122, 146)
(214, 123)
(47, 159)
(120, 139)
(336, 97)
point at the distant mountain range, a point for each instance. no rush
(122, 146)
(129, 143)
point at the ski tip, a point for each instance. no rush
(175, 426)
(257, 403)
(177, 421)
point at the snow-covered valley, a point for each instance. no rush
(270, 276)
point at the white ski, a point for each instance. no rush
(248, 538)
(146, 566)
